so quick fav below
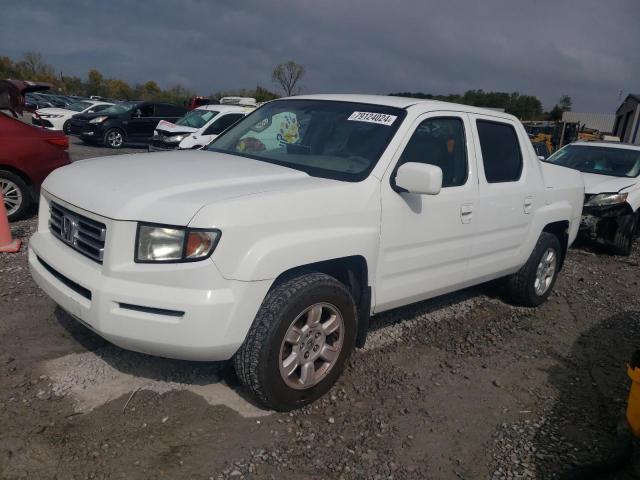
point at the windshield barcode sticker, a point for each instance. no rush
(372, 117)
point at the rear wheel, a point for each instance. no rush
(299, 342)
(532, 284)
(114, 138)
(625, 234)
(16, 194)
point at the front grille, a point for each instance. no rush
(79, 232)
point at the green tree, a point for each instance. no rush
(116, 88)
(95, 83)
(565, 103)
(556, 113)
(288, 75)
(150, 91)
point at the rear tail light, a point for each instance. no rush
(60, 142)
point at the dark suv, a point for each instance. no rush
(127, 122)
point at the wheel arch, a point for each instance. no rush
(17, 172)
(118, 127)
(33, 190)
(353, 272)
(560, 230)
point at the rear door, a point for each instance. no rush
(506, 201)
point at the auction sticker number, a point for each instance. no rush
(372, 117)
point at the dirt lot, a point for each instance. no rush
(460, 387)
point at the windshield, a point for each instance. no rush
(78, 106)
(616, 162)
(330, 139)
(197, 118)
(119, 108)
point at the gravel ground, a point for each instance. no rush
(460, 387)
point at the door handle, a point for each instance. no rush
(466, 212)
(528, 205)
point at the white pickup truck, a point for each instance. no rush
(275, 245)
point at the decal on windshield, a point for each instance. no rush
(372, 117)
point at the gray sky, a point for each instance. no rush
(585, 48)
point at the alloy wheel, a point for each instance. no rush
(311, 346)
(12, 196)
(545, 272)
(114, 139)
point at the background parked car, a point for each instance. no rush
(197, 128)
(127, 122)
(32, 102)
(27, 156)
(611, 173)
(58, 118)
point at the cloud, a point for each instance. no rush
(544, 48)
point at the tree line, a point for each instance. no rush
(32, 66)
(525, 107)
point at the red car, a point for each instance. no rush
(27, 155)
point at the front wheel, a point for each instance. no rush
(299, 342)
(532, 284)
(625, 234)
(114, 138)
(66, 127)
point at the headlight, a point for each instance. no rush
(174, 244)
(50, 115)
(98, 120)
(605, 199)
(175, 138)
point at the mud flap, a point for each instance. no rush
(364, 309)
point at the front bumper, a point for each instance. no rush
(601, 223)
(185, 311)
(41, 122)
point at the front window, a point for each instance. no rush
(331, 139)
(78, 106)
(197, 118)
(616, 162)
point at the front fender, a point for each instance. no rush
(271, 256)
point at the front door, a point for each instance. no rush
(427, 239)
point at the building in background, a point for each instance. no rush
(628, 120)
(602, 122)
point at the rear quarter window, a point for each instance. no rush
(501, 154)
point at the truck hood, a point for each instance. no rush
(595, 183)
(167, 187)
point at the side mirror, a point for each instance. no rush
(541, 157)
(420, 178)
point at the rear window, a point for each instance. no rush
(501, 154)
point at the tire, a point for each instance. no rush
(625, 233)
(66, 127)
(522, 288)
(114, 138)
(17, 195)
(260, 362)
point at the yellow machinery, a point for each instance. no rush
(633, 404)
